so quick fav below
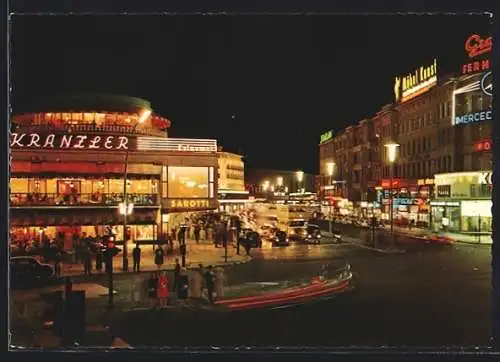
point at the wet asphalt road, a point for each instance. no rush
(429, 296)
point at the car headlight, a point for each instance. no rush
(287, 240)
(277, 239)
(319, 236)
(292, 232)
(309, 235)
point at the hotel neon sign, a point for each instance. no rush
(416, 83)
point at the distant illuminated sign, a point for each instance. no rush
(486, 83)
(416, 83)
(427, 181)
(70, 142)
(474, 117)
(326, 137)
(479, 87)
(191, 204)
(483, 145)
(475, 46)
(176, 144)
(485, 178)
(445, 203)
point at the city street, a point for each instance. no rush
(429, 297)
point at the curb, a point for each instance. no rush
(169, 268)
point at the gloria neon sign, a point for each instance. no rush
(475, 45)
(68, 141)
(416, 83)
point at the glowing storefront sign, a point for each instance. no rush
(176, 144)
(190, 204)
(327, 136)
(483, 145)
(427, 181)
(416, 83)
(445, 203)
(69, 141)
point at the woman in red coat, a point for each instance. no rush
(162, 290)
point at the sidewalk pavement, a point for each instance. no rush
(204, 253)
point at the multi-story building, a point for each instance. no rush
(441, 128)
(231, 181)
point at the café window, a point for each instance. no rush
(190, 182)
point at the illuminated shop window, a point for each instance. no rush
(89, 117)
(187, 181)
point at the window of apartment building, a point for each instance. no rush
(413, 148)
(417, 141)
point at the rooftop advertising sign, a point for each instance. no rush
(94, 142)
(476, 107)
(416, 83)
(325, 137)
(478, 50)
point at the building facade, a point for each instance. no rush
(442, 126)
(231, 181)
(69, 159)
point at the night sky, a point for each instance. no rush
(265, 86)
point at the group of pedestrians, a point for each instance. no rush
(199, 284)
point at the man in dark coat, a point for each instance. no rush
(209, 283)
(136, 257)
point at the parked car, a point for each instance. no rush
(281, 239)
(26, 270)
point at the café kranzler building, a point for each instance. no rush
(69, 158)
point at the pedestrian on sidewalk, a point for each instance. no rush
(136, 257)
(182, 284)
(152, 289)
(87, 261)
(159, 257)
(220, 280)
(58, 263)
(209, 283)
(162, 289)
(99, 258)
(196, 284)
(177, 271)
(197, 230)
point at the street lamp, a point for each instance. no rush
(300, 177)
(391, 157)
(142, 118)
(330, 166)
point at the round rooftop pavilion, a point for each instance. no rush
(93, 110)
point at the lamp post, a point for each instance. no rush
(330, 166)
(142, 118)
(300, 178)
(391, 157)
